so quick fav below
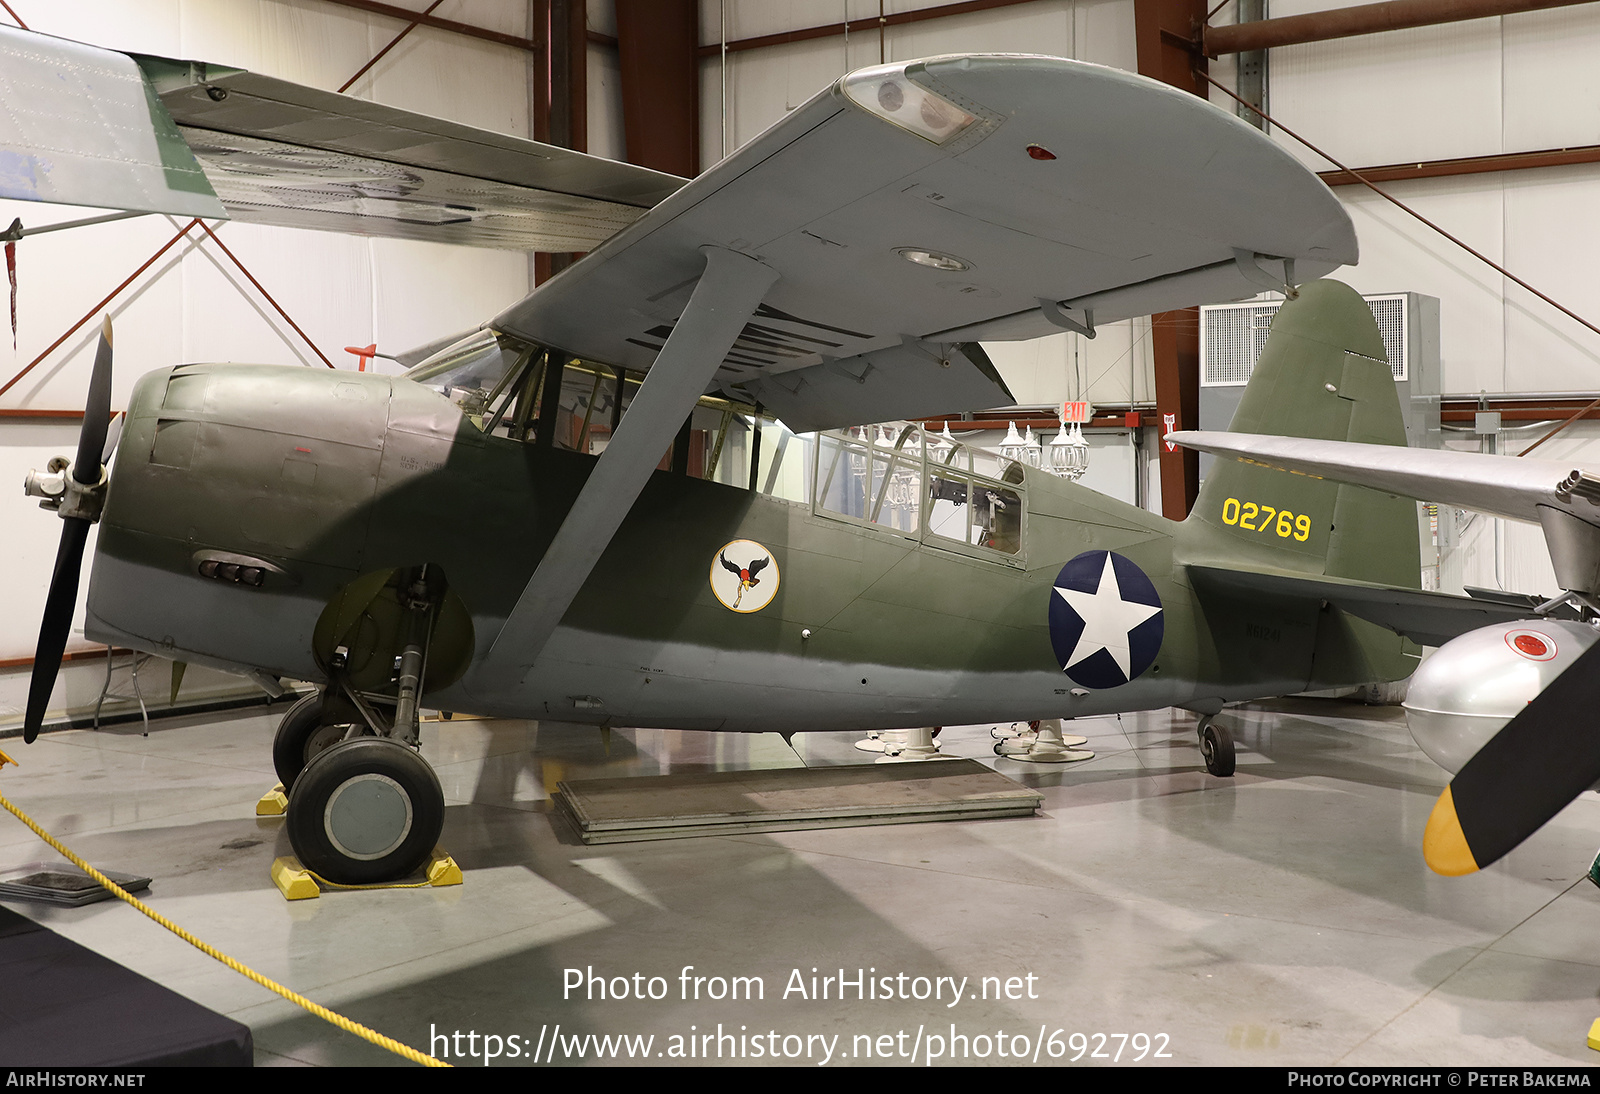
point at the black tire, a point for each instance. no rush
(301, 735)
(1216, 746)
(364, 811)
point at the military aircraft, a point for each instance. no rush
(498, 531)
(1507, 708)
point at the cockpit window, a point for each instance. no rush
(901, 479)
(470, 371)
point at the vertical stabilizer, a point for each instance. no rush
(1322, 375)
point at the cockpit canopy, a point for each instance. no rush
(896, 477)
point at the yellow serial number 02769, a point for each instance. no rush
(1262, 518)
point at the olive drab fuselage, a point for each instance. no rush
(246, 500)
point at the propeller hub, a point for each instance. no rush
(63, 492)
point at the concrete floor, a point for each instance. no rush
(1280, 917)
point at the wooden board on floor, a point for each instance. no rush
(723, 802)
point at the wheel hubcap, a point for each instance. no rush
(324, 738)
(368, 817)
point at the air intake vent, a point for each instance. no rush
(1233, 335)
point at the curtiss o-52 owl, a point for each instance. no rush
(636, 498)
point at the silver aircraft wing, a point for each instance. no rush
(80, 125)
(1517, 487)
(908, 210)
(913, 209)
(88, 126)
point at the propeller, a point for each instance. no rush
(78, 501)
(1527, 773)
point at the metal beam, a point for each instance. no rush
(1464, 165)
(1163, 34)
(660, 84)
(1322, 26)
(561, 96)
(396, 40)
(857, 26)
(406, 15)
(727, 295)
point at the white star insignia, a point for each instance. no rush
(1107, 620)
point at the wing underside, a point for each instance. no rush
(1062, 195)
(90, 126)
(280, 153)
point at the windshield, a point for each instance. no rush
(471, 370)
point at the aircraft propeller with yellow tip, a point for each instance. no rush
(1528, 772)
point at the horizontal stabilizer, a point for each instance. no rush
(1506, 486)
(1427, 618)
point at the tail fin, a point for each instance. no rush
(1323, 375)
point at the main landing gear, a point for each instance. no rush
(364, 806)
(1216, 746)
(365, 810)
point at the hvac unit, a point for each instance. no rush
(1232, 336)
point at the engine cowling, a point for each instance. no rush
(1467, 691)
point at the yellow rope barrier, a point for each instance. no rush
(299, 1000)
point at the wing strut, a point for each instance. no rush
(724, 300)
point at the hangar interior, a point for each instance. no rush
(1283, 916)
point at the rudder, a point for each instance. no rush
(1323, 375)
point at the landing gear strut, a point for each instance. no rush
(302, 735)
(364, 806)
(1216, 746)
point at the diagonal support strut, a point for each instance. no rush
(728, 293)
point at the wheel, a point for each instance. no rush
(301, 735)
(365, 810)
(1216, 745)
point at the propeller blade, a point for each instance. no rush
(112, 437)
(1544, 758)
(57, 624)
(95, 444)
(96, 413)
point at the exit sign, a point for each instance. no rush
(1075, 412)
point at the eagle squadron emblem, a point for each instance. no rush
(744, 576)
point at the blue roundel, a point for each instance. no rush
(1105, 620)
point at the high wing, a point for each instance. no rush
(1518, 487)
(907, 211)
(1046, 195)
(91, 126)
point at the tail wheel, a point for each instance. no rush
(301, 736)
(1216, 746)
(364, 811)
